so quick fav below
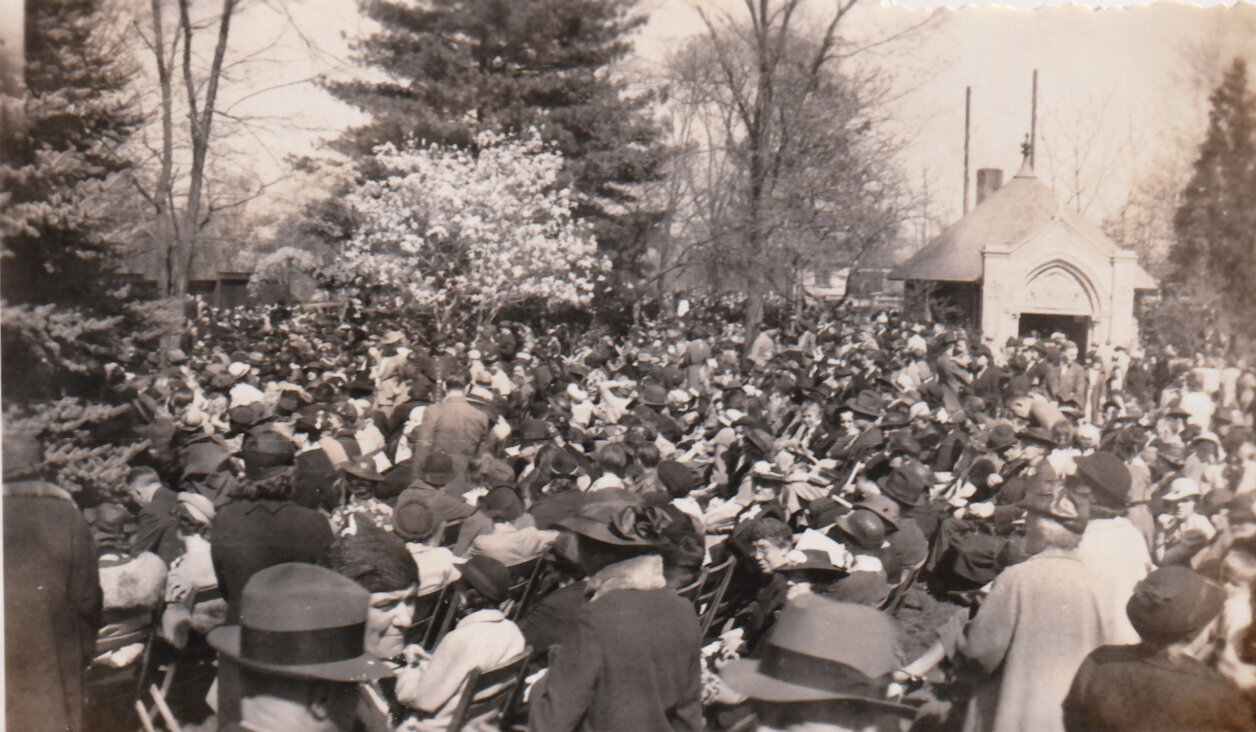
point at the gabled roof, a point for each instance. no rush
(1008, 216)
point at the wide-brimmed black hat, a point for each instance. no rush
(302, 621)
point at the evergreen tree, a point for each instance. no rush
(1214, 256)
(66, 115)
(77, 112)
(455, 67)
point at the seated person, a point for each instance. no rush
(632, 660)
(379, 562)
(157, 531)
(279, 691)
(501, 528)
(360, 481)
(192, 573)
(131, 587)
(429, 684)
(811, 676)
(416, 522)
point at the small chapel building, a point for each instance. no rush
(1019, 262)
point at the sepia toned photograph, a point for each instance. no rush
(627, 366)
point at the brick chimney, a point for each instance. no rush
(989, 180)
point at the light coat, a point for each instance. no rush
(1041, 619)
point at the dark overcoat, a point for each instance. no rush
(52, 606)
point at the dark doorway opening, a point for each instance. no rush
(1074, 327)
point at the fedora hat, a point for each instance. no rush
(1001, 436)
(903, 487)
(867, 402)
(882, 506)
(302, 621)
(654, 395)
(820, 650)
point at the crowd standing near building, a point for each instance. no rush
(852, 522)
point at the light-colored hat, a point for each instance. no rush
(1183, 488)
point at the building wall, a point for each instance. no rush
(1059, 271)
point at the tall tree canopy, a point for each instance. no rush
(1215, 250)
(454, 67)
(60, 154)
(788, 168)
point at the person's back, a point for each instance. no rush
(633, 664)
(1116, 553)
(454, 427)
(52, 604)
(251, 535)
(1135, 688)
(1040, 620)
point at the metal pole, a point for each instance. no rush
(1033, 124)
(968, 104)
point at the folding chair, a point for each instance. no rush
(523, 580)
(121, 630)
(192, 655)
(898, 593)
(428, 612)
(707, 592)
(108, 682)
(492, 692)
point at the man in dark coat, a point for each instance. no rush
(632, 661)
(453, 427)
(52, 596)
(158, 530)
(253, 534)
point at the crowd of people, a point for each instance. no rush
(355, 518)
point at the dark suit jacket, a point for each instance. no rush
(454, 427)
(249, 536)
(52, 606)
(632, 663)
(158, 531)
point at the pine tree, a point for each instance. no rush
(56, 161)
(1215, 251)
(456, 67)
(67, 114)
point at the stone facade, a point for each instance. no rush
(1029, 256)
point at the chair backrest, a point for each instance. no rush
(438, 630)
(449, 532)
(490, 691)
(428, 611)
(523, 579)
(709, 601)
(123, 629)
(898, 593)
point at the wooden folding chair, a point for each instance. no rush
(428, 611)
(184, 657)
(490, 692)
(523, 579)
(898, 593)
(122, 629)
(707, 592)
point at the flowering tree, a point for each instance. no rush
(467, 233)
